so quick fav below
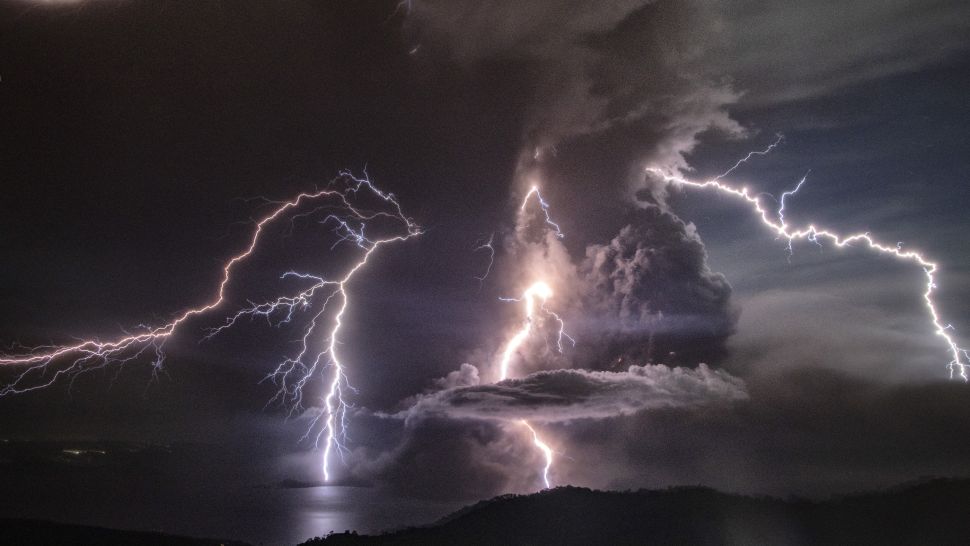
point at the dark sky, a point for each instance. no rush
(135, 137)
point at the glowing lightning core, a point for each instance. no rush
(293, 374)
(960, 358)
(538, 290)
(542, 291)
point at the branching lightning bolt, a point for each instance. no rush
(960, 358)
(293, 373)
(781, 213)
(489, 245)
(534, 190)
(537, 291)
(540, 292)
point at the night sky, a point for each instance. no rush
(141, 141)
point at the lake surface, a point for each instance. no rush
(187, 490)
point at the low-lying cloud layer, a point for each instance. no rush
(561, 396)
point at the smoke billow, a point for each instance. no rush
(592, 67)
(627, 68)
(645, 299)
(650, 296)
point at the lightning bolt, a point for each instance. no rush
(490, 246)
(348, 221)
(778, 138)
(960, 358)
(538, 292)
(534, 190)
(546, 451)
(781, 213)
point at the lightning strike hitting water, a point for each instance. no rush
(348, 221)
(960, 358)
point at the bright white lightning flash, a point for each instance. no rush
(546, 451)
(534, 190)
(540, 292)
(960, 358)
(294, 373)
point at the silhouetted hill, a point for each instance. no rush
(932, 512)
(20, 531)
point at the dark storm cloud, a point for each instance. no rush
(592, 67)
(149, 118)
(559, 396)
(673, 69)
(649, 293)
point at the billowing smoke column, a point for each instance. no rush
(346, 207)
(649, 295)
(650, 77)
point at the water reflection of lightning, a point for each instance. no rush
(293, 374)
(960, 358)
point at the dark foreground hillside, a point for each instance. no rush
(933, 512)
(18, 531)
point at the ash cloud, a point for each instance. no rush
(650, 296)
(591, 68)
(625, 72)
